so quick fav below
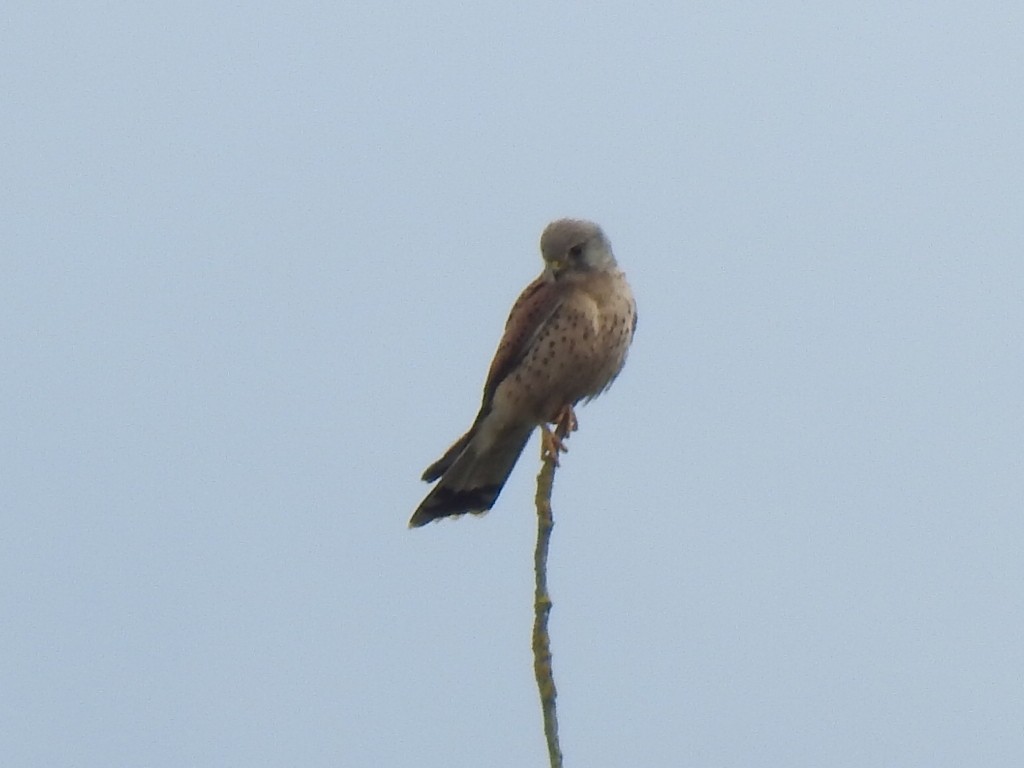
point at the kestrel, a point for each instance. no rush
(565, 340)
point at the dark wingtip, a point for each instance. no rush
(439, 467)
(444, 502)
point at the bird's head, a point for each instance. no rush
(575, 245)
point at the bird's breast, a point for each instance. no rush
(575, 355)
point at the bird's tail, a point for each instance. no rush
(472, 475)
(439, 467)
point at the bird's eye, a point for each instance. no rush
(576, 251)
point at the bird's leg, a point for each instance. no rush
(552, 442)
(565, 421)
(550, 445)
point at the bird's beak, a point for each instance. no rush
(558, 266)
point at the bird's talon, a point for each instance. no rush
(566, 421)
(551, 444)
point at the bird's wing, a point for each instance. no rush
(532, 310)
(534, 307)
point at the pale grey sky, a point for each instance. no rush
(256, 259)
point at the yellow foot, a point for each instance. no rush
(565, 421)
(551, 445)
(552, 442)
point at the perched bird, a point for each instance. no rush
(565, 340)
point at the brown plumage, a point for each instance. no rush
(565, 340)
